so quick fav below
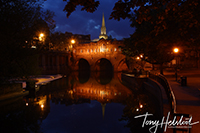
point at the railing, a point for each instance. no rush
(163, 81)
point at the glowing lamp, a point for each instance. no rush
(176, 50)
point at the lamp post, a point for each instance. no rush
(176, 50)
(41, 37)
(72, 42)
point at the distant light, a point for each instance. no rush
(141, 106)
(138, 58)
(137, 109)
(26, 104)
(42, 106)
(176, 50)
(141, 56)
(41, 35)
(33, 47)
(72, 41)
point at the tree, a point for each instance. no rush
(59, 41)
(17, 20)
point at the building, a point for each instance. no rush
(97, 52)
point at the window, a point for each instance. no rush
(81, 51)
(115, 49)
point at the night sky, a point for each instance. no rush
(82, 22)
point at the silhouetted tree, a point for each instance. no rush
(17, 21)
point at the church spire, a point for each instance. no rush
(103, 21)
(103, 29)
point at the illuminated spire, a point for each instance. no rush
(103, 29)
(103, 21)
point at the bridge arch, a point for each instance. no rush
(103, 64)
(122, 65)
(83, 65)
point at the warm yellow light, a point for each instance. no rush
(42, 106)
(72, 41)
(41, 35)
(138, 58)
(141, 106)
(26, 104)
(176, 50)
(141, 56)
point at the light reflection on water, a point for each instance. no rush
(96, 102)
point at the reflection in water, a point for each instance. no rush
(92, 103)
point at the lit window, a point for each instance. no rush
(115, 49)
(81, 51)
(88, 50)
(91, 50)
(95, 50)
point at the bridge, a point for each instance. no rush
(96, 56)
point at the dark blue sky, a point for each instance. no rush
(82, 22)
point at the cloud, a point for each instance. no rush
(115, 35)
(82, 22)
(97, 27)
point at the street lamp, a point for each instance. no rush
(176, 50)
(41, 37)
(73, 41)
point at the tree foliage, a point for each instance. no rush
(19, 20)
(87, 5)
(59, 41)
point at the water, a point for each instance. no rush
(79, 103)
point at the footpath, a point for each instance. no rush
(187, 97)
(41, 80)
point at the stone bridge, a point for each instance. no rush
(97, 56)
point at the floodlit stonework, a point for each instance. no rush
(93, 52)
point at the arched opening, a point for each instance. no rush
(103, 64)
(83, 65)
(104, 71)
(122, 65)
(84, 70)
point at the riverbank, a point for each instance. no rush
(187, 97)
(41, 80)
